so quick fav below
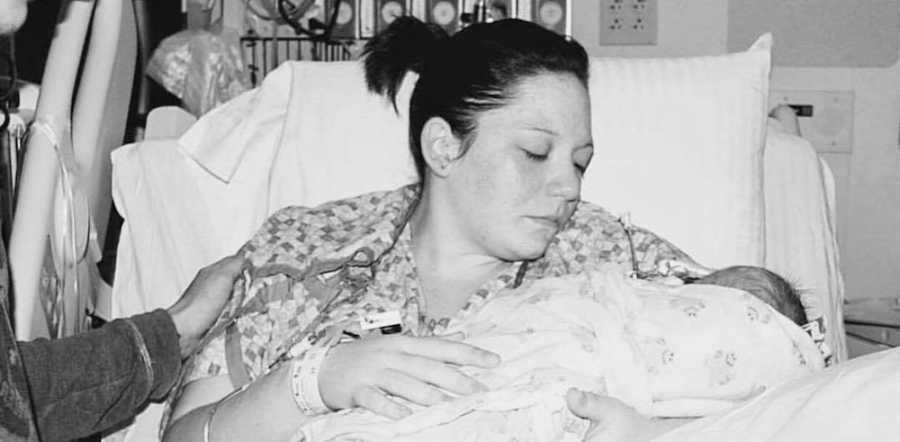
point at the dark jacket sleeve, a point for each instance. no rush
(87, 383)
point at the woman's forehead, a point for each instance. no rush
(545, 102)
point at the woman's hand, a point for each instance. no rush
(365, 372)
(613, 421)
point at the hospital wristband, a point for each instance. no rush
(305, 381)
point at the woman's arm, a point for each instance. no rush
(264, 411)
(363, 373)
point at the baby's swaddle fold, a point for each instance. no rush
(708, 348)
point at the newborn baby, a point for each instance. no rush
(667, 351)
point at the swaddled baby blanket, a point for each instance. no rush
(667, 351)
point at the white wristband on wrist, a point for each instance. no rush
(305, 381)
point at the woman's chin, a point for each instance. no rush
(533, 247)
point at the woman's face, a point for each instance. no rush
(520, 180)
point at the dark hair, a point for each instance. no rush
(462, 76)
(765, 285)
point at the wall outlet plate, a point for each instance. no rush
(825, 117)
(628, 22)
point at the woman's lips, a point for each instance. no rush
(547, 221)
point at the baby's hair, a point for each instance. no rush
(765, 285)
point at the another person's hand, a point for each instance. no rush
(612, 420)
(204, 300)
(367, 372)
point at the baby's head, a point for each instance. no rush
(763, 284)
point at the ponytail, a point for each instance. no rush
(403, 46)
(460, 77)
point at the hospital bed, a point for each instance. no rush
(684, 147)
(312, 133)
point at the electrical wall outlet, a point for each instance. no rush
(628, 22)
(825, 117)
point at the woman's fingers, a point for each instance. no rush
(366, 372)
(400, 384)
(612, 420)
(584, 406)
(377, 401)
(450, 351)
(438, 374)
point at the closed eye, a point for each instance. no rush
(534, 156)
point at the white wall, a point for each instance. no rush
(868, 178)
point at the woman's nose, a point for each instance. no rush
(566, 184)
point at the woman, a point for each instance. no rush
(500, 131)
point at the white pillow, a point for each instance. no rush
(678, 145)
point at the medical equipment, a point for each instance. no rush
(16, 111)
(315, 29)
(97, 114)
(335, 30)
(263, 54)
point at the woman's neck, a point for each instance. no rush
(440, 246)
(449, 268)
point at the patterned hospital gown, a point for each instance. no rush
(684, 351)
(313, 268)
(336, 263)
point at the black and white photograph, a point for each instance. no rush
(450, 220)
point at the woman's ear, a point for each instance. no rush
(440, 147)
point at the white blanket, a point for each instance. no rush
(666, 351)
(852, 401)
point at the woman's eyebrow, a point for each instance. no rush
(542, 129)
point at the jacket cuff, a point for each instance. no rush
(161, 340)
